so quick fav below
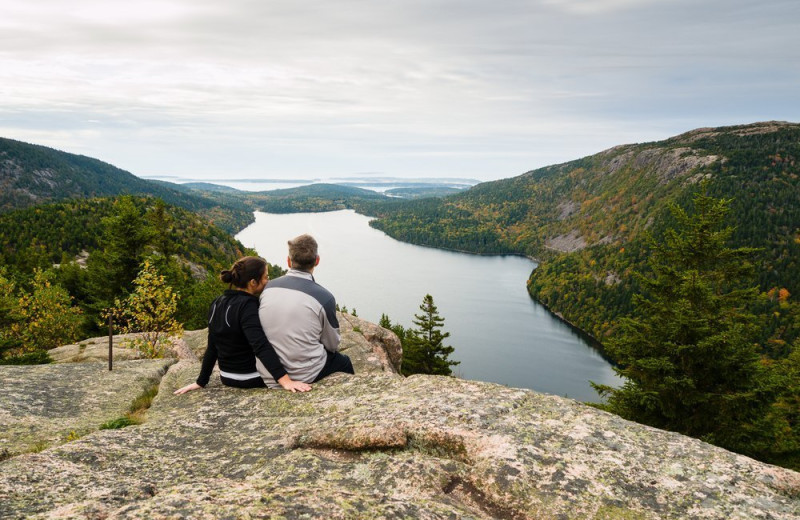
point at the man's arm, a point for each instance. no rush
(330, 337)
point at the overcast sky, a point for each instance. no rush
(322, 88)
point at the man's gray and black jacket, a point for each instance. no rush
(299, 316)
(236, 339)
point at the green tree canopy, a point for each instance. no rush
(424, 351)
(689, 355)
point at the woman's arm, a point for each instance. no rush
(263, 349)
(187, 388)
(209, 359)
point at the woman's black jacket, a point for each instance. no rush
(236, 338)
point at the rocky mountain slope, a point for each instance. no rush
(373, 445)
(586, 219)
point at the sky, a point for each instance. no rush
(295, 89)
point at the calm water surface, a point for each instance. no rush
(500, 334)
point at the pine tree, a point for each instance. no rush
(689, 356)
(163, 227)
(125, 244)
(385, 322)
(424, 351)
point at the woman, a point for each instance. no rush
(235, 335)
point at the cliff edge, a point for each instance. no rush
(373, 445)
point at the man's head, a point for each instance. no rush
(303, 253)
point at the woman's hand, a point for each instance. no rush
(293, 386)
(187, 388)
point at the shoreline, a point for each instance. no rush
(593, 342)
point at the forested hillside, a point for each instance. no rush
(43, 235)
(32, 174)
(93, 250)
(586, 219)
(681, 256)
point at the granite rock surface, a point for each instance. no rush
(377, 445)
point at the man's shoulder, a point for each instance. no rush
(303, 285)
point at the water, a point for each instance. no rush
(500, 334)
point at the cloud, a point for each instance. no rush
(354, 85)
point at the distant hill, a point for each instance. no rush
(32, 174)
(207, 186)
(585, 219)
(311, 198)
(423, 192)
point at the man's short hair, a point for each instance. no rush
(303, 252)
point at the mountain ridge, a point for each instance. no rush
(586, 219)
(32, 174)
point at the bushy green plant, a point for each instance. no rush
(150, 310)
(33, 322)
(37, 357)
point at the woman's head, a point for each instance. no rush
(245, 270)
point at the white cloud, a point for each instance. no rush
(422, 87)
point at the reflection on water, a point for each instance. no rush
(499, 332)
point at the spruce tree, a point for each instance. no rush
(424, 351)
(689, 356)
(126, 238)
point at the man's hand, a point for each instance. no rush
(187, 388)
(293, 386)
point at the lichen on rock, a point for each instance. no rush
(44, 405)
(377, 445)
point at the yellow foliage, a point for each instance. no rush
(149, 309)
(44, 318)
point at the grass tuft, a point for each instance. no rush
(136, 411)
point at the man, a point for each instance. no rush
(299, 318)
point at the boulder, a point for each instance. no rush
(45, 405)
(378, 445)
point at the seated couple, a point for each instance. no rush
(281, 335)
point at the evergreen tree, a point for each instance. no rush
(688, 356)
(424, 351)
(162, 228)
(398, 329)
(385, 322)
(126, 237)
(784, 449)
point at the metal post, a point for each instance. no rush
(110, 341)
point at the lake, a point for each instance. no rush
(499, 333)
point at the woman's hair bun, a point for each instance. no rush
(243, 270)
